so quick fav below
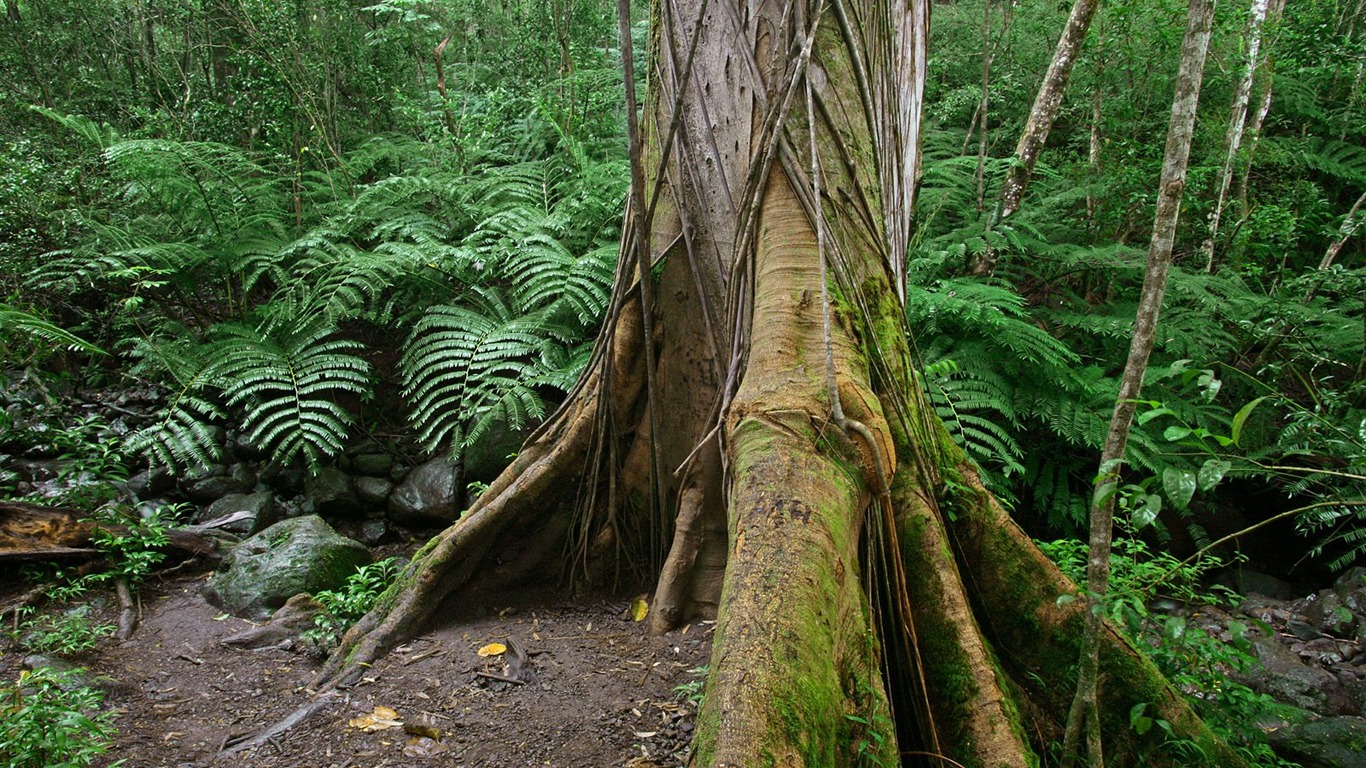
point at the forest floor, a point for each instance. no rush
(603, 692)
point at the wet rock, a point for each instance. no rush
(1329, 742)
(427, 496)
(260, 507)
(149, 483)
(373, 490)
(1326, 613)
(491, 454)
(303, 554)
(329, 489)
(1286, 678)
(211, 484)
(372, 464)
(1249, 582)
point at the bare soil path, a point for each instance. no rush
(603, 692)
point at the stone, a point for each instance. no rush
(1327, 614)
(301, 554)
(1328, 742)
(1288, 679)
(373, 490)
(1250, 582)
(261, 506)
(286, 481)
(149, 483)
(491, 453)
(1351, 589)
(427, 496)
(211, 484)
(372, 464)
(331, 493)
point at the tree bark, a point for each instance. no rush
(1237, 121)
(1084, 712)
(800, 475)
(1046, 105)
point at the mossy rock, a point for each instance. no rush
(303, 554)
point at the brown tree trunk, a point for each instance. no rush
(1084, 711)
(789, 455)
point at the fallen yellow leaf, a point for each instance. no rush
(492, 649)
(381, 719)
(639, 609)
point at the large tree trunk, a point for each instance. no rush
(763, 447)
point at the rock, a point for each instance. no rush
(1302, 630)
(330, 491)
(1249, 582)
(1329, 742)
(373, 532)
(298, 555)
(149, 483)
(372, 464)
(373, 490)
(1351, 589)
(285, 480)
(1288, 679)
(1327, 614)
(211, 484)
(427, 496)
(261, 507)
(491, 453)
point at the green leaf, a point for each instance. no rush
(1176, 432)
(1146, 513)
(1180, 485)
(1240, 418)
(1147, 416)
(1211, 472)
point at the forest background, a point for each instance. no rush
(315, 222)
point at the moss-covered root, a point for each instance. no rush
(794, 678)
(975, 722)
(1017, 590)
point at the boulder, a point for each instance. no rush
(1329, 742)
(1327, 614)
(372, 464)
(1288, 679)
(373, 490)
(261, 508)
(427, 496)
(302, 554)
(211, 484)
(330, 491)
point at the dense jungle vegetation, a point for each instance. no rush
(316, 222)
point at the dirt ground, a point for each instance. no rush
(603, 692)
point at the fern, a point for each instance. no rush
(288, 379)
(468, 367)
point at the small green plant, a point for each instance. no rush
(870, 742)
(68, 634)
(131, 544)
(691, 691)
(49, 720)
(345, 606)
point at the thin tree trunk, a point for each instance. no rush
(1041, 116)
(1084, 712)
(982, 106)
(1046, 105)
(1237, 121)
(1254, 132)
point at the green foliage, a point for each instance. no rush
(70, 633)
(1195, 661)
(49, 719)
(345, 606)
